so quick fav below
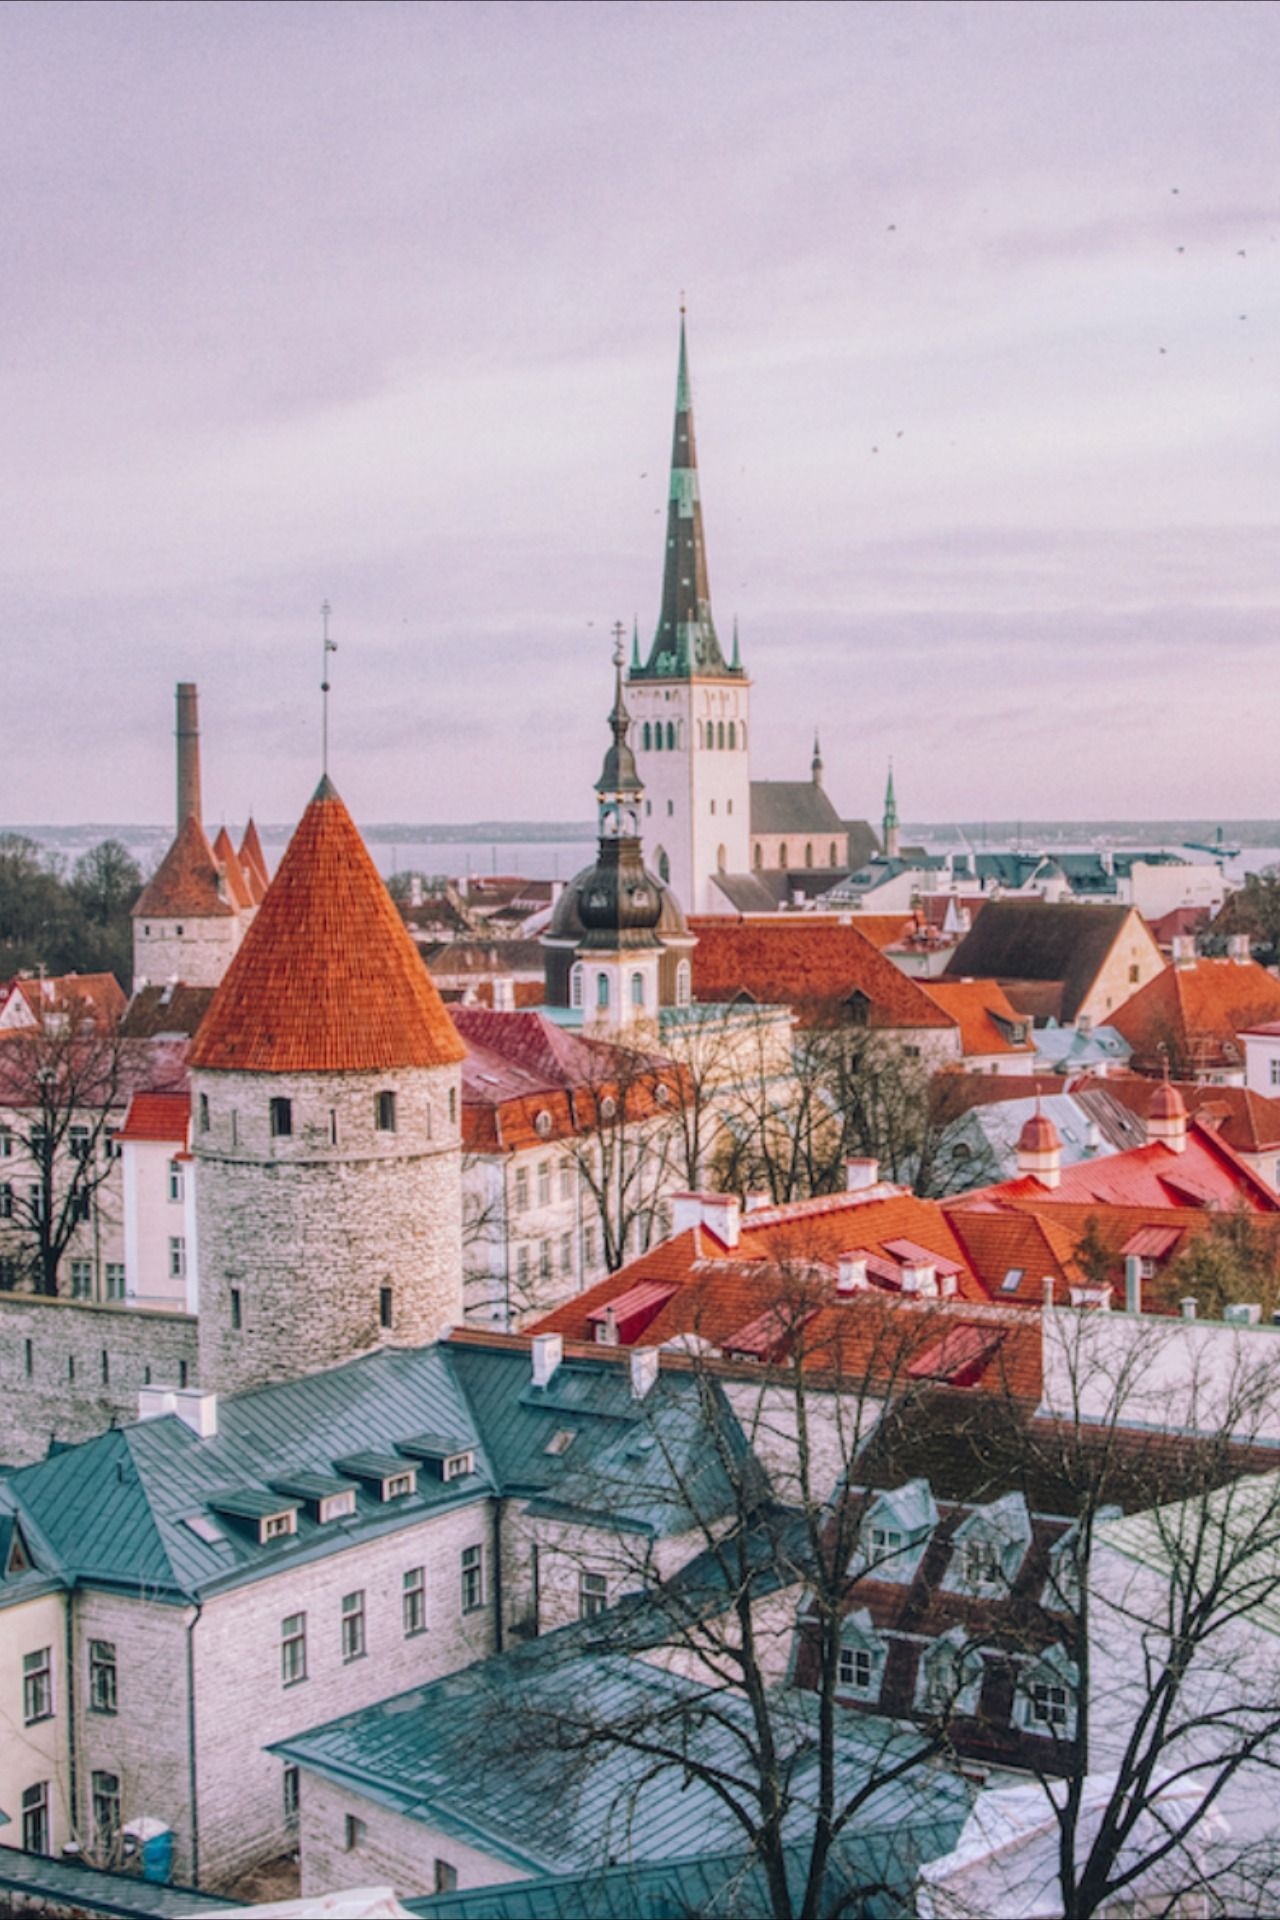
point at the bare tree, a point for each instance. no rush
(63, 1089)
(626, 1147)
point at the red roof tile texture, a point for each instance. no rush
(986, 1017)
(807, 962)
(1190, 1018)
(187, 881)
(327, 979)
(157, 1116)
(1247, 1121)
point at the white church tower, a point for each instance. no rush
(689, 707)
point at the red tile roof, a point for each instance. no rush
(809, 962)
(1248, 1122)
(86, 996)
(327, 979)
(986, 1016)
(187, 881)
(1189, 1018)
(229, 860)
(1000, 1243)
(157, 1116)
(1149, 1176)
(254, 862)
(521, 1067)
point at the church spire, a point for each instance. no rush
(815, 766)
(889, 833)
(685, 643)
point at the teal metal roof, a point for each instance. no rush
(140, 1505)
(519, 1756)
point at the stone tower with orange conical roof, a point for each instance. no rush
(326, 1101)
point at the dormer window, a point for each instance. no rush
(856, 1669)
(1046, 1702)
(950, 1676)
(458, 1465)
(277, 1526)
(884, 1541)
(385, 1471)
(337, 1506)
(860, 1659)
(397, 1485)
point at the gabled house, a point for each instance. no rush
(1060, 959)
(1190, 1020)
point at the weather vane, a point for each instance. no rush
(619, 637)
(330, 646)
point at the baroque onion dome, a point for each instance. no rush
(619, 903)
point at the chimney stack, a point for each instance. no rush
(188, 732)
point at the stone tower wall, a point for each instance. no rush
(310, 1228)
(196, 951)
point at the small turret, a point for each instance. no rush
(1040, 1151)
(1167, 1118)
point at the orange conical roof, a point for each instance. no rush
(186, 881)
(327, 979)
(254, 862)
(237, 884)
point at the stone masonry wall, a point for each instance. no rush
(310, 1228)
(196, 951)
(54, 1381)
(242, 1704)
(389, 1850)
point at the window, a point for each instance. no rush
(593, 1594)
(522, 1266)
(885, 1541)
(293, 1649)
(79, 1145)
(453, 1106)
(808, 853)
(414, 1601)
(6, 1143)
(353, 1625)
(333, 1126)
(472, 1579)
(522, 1189)
(37, 1685)
(281, 1117)
(237, 1310)
(106, 1810)
(602, 991)
(102, 1676)
(588, 1247)
(385, 1306)
(671, 736)
(782, 854)
(684, 983)
(353, 1832)
(637, 989)
(204, 1113)
(1133, 976)
(289, 1787)
(646, 736)
(542, 1127)
(6, 1190)
(566, 1253)
(82, 1279)
(1275, 1073)
(832, 857)
(561, 1441)
(1012, 1280)
(35, 1818)
(544, 1182)
(115, 1279)
(445, 1876)
(177, 1257)
(575, 985)
(980, 1562)
(857, 1669)
(385, 1112)
(277, 1526)
(397, 1485)
(733, 736)
(544, 1259)
(175, 1180)
(671, 808)
(1049, 1704)
(567, 1181)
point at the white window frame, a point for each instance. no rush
(293, 1650)
(354, 1642)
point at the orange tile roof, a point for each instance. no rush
(1191, 1017)
(229, 860)
(985, 1015)
(1000, 1242)
(157, 1116)
(1151, 1176)
(186, 881)
(327, 979)
(885, 929)
(254, 862)
(1247, 1121)
(96, 995)
(808, 962)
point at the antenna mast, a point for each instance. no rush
(330, 646)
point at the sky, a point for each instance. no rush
(378, 304)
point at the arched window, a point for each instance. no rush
(720, 735)
(782, 854)
(645, 735)
(808, 853)
(637, 989)
(832, 861)
(733, 736)
(671, 735)
(575, 985)
(664, 865)
(757, 859)
(722, 859)
(684, 984)
(699, 733)
(657, 737)
(602, 991)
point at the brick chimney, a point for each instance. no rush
(188, 735)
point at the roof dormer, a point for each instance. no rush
(895, 1531)
(989, 1547)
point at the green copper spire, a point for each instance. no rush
(685, 645)
(735, 665)
(635, 643)
(890, 803)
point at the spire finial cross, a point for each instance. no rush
(619, 636)
(329, 646)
